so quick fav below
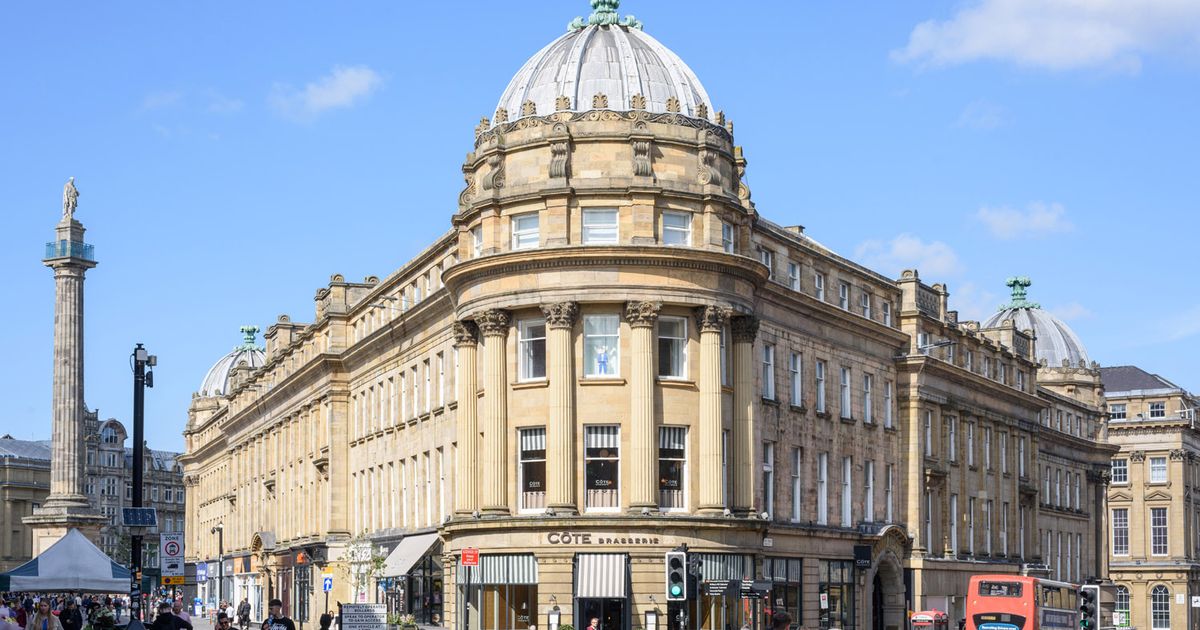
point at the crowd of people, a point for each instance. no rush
(60, 611)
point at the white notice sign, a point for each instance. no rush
(1195, 601)
(170, 554)
(364, 617)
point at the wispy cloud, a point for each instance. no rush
(220, 104)
(1071, 311)
(1038, 219)
(1180, 325)
(161, 100)
(982, 115)
(343, 87)
(972, 302)
(1055, 34)
(908, 251)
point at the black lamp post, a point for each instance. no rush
(219, 530)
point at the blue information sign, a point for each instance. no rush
(327, 583)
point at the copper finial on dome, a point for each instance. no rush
(1019, 284)
(604, 13)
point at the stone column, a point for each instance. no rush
(8, 518)
(745, 330)
(494, 325)
(466, 379)
(341, 498)
(560, 430)
(641, 317)
(710, 320)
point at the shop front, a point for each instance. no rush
(499, 594)
(412, 580)
(602, 590)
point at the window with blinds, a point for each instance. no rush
(533, 468)
(672, 480)
(602, 461)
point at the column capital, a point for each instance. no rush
(560, 314)
(745, 328)
(1137, 456)
(494, 323)
(466, 333)
(711, 318)
(642, 314)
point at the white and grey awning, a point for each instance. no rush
(602, 437)
(601, 575)
(533, 439)
(519, 568)
(725, 566)
(672, 437)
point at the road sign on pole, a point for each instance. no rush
(470, 557)
(326, 582)
(170, 553)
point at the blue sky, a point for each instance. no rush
(232, 155)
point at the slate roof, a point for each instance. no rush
(28, 449)
(1128, 378)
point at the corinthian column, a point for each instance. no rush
(641, 317)
(560, 430)
(745, 329)
(494, 326)
(710, 320)
(466, 380)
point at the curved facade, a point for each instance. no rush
(611, 354)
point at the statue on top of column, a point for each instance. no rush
(70, 199)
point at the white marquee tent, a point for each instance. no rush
(73, 564)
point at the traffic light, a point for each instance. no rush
(677, 576)
(1089, 599)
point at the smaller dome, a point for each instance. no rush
(1056, 342)
(216, 381)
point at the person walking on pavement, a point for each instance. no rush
(43, 619)
(167, 621)
(178, 611)
(243, 613)
(275, 619)
(70, 617)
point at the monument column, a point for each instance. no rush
(67, 506)
(494, 326)
(710, 320)
(641, 317)
(560, 430)
(466, 342)
(745, 330)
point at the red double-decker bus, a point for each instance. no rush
(1016, 602)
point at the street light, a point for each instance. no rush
(219, 530)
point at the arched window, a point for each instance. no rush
(1160, 608)
(109, 436)
(1122, 599)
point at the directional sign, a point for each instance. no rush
(171, 554)
(326, 582)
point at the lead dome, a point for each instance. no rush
(216, 381)
(609, 57)
(1056, 342)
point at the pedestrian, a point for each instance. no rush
(243, 613)
(70, 617)
(326, 620)
(178, 611)
(43, 619)
(275, 619)
(595, 624)
(781, 621)
(224, 622)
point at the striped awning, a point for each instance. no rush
(600, 575)
(602, 436)
(519, 568)
(672, 437)
(725, 566)
(533, 439)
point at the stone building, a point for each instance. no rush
(610, 354)
(108, 473)
(1153, 513)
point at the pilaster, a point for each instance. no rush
(466, 491)
(745, 330)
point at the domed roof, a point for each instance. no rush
(606, 56)
(1056, 342)
(216, 382)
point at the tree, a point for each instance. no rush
(364, 564)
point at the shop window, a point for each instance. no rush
(532, 342)
(601, 338)
(533, 468)
(672, 347)
(503, 594)
(672, 479)
(785, 575)
(601, 464)
(836, 588)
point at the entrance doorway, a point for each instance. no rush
(877, 603)
(610, 612)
